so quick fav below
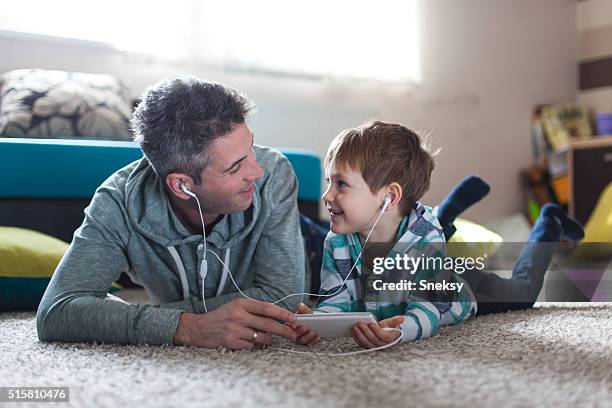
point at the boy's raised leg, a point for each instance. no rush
(469, 191)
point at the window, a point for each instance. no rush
(340, 38)
(355, 39)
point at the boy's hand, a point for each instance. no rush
(371, 335)
(304, 334)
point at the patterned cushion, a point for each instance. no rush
(59, 104)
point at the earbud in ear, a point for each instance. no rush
(186, 190)
(386, 202)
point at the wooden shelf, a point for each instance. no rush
(596, 141)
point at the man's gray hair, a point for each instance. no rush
(178, 118)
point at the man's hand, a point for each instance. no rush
(232, 326)
(371, 335)
(305, 335)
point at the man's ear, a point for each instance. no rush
(394, 191)
(173, 185)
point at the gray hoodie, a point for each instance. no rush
(131, 226)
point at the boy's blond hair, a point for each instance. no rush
(383, 153)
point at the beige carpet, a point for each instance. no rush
(557, 355)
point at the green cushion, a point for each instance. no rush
(472, 240)
(27, 262)
(29, 254)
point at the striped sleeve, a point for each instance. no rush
(421, 320)
(335, 267)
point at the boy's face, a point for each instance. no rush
(352, 206)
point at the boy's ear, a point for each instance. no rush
(394, 191)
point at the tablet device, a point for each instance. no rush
(334, 324)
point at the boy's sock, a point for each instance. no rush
(572, 229)
(469, 191)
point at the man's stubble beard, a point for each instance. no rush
(224, 207)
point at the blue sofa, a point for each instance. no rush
(46, 183)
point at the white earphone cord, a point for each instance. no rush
(304, 293)
(205, 265)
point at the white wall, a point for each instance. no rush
(594, 24)
(486, 64)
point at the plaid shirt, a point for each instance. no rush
(419, 235)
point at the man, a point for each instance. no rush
(145, 220)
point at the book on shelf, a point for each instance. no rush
(553, 127)
(532, 207)
(560, 186)
(562, 123)
(540, 188)
(556, 163)
(538, 180)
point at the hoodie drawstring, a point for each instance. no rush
(224, 273)
(181, 269)
(183, 274)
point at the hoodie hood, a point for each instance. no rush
(150, 212)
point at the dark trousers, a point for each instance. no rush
(495, 294)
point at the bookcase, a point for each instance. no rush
(571, 165)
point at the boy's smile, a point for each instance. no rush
(335, 213)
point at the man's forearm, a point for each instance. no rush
(89, 318)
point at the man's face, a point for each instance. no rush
(227, 182)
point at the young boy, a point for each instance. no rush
(383, 159)
(363, 166)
